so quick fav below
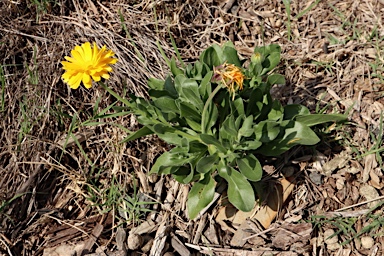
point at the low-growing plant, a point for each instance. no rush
(218, 114)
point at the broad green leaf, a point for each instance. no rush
(228, 130)
(156, 84)
(169, 86)
(166, 105)
(212, 56)
(176, 157)
(295, 133)
(303, 134)
(231, 56)
(293, 110)
(255, 97)
(184, 174)
(188, 111)
(206, 163)
(276, 112)
(246, 129)
(200, 196)
(210, 140)
(267, 131)
(197, 71)
(238, 104)
(249, 145)
(167, 134)
(314, 119)
(275, 79)
(240, 191)
(161, 161)
(188, 91)
(238, 122)
(271, 56)
(250, 167)
(193, 124)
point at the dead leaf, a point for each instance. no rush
(369, 164)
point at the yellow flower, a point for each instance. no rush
(87, 63)
(230, 76)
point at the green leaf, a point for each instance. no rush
(246, 129)
(314, 119)
(188, 111)
(267, 131)
(201, 194)
(293, 110)
(228, 129)
(303, 134)
(210, 140)
(169, 86)
(206, 163)
(212, 56)
(167, 134)
(176, 157)
(231, 56)
(174, 69)
(238, 104)
(194, 125)
(295, 133)
(138, 134)
(275, 79)
(240, 191)
(197, 71)
(271, 56)
(156, 84)
(211, 117)
(163, 160)
(250, 167)
(205, 88)
(166, 105)
(276, 112)
(184, 174)
(255, 98)
(188, 91)
(249, 145)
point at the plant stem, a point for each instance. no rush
(209, 100)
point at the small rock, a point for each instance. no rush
(288, 171)
(333, 247)
(327, 239)
(134, 241)
(367, 242)
(369, 193)
(316, 178)
(339, 184)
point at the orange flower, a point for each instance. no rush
(230, 76)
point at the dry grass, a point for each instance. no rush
(56, 191)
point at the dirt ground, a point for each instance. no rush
(67, 188)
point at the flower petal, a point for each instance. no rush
(86, 63)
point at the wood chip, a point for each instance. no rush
(179, 246)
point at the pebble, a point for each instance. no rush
(134, 241)
(367, 242)
(327, 234)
